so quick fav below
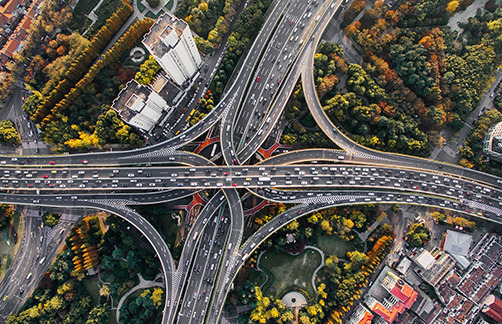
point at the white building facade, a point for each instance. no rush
(171, 42)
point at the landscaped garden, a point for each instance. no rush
(287, 272)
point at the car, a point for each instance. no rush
(85, 161)
(235, 161)
(257, 78)
(291, 22)
(5, 298)
(234, 184)
(45, 176)
(52, 162)
(278, 81)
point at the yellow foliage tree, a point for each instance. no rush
(157, 296)
(452, 6)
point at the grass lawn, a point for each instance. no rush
(169, 5)
(140, 6)
(92, 289)
(112, 319)
(289, 272)
(334, 245)
(83, 8)
(256, 277)
(150, 14)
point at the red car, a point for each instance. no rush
(234, 184)
(257, 78)
(45, 176)
(52, 162)
(85, 161)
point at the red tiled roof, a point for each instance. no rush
(10, 6)
(32, 10)
(366, 318)
(25, 23)
(493, 314)
(11, 46)
(388, 315)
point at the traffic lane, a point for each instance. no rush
(278, 176)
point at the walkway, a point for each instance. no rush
(463, 16)
(322, 264)
(143, 284)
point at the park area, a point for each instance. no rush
(333, 245)
(288, 272)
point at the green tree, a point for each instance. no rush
(50, 219)
(417, 235)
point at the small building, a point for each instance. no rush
(404, 265)
(171, 42)
(433, 267)
(140, 106)
(361, 315)
(400, 298)
(426, 309)
(457, 245)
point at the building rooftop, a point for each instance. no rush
(404, 265)
(361, 315)
(163, 27)
(425, 260)
(434, 267)
(457, 243)
(139, 105)
(401, 297)
(426, 309)
(493, 308)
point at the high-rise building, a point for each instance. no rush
(170, 41)
(140, 106)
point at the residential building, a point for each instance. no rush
(434, 265)
(493, 308)
(16, 17)
(361, 315)
(140, 106)
(426, 309)
(400, 297)
(171, 42)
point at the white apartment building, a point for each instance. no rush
(140, 106)
(170, 41)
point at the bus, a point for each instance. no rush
(190, 115)
(214, 150)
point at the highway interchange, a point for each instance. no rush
(312, 179)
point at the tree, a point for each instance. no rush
(417, 235)
(147, 71)
(50, 219)
(8, 132)
(452, 6)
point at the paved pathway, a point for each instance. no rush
(463, 16)
(294, 299)
(143, 284)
